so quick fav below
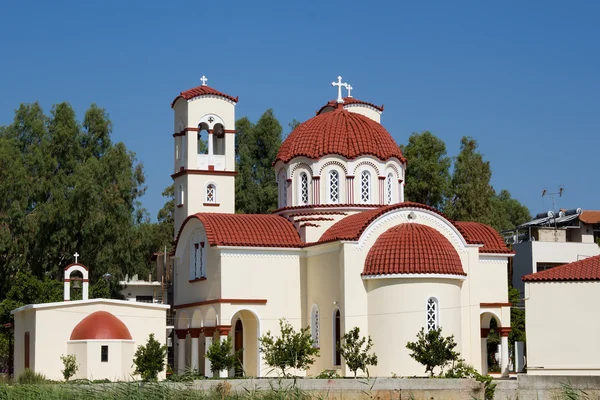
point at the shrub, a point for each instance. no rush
(221, 356)
(433, 350)
(357, 357)
(149, 360)
(290, 350)
(464, 370)
(328, 374)
(71, 366)
(29, 377)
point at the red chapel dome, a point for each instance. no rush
(100, 325)
(412, 249)
(341, 133)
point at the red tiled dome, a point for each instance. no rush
(100, 325)
(342, 133)
(412, 249)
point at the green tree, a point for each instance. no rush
(149, 360)
(290, 350)
(256, 148)
(428, 169)
(508, 212)
(221, 356)
(471, 194)
(517, 318)
(433, 350)
(355, 350)
(70, 366)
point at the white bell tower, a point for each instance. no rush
(204, 159)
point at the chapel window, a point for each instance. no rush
(432, 314)
(282, 190)
(315, 325)
(211, 193)
(365, 187)
(180, 195)
(389, 184)
(337, 332)
(197, 263)
(334, 186)
(303, 188)
(104, 354)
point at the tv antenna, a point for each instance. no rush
(553, 195)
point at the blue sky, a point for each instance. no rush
(520, 77)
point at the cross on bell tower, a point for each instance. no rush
(339, 84)
(76, 255)
(204, 79)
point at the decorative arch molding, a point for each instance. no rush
(190, 226)
(211, 120)
(67, 281)
(333, 162)
(182, 320)
(197, 319)
(369, 163)
(302, 165)
(211, 317)
(393, 167)
(414, 215)
(281, 173)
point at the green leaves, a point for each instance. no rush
(149, 360)
(433, 350)
(222, 357)
(355, 350)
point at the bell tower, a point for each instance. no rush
(204, 153)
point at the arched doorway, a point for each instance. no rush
(493, 335)
(238, 340)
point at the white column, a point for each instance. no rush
(223, 335)
(210, 149)
(195, 334)
(67, 290)
(504, 354)
(208, 340)
(484, 356)
(401, 192)
(181, 333)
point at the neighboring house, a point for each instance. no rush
(553, 239)
(562, 321)
(343, 250)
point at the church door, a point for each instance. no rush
(239, 346)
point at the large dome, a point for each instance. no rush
(100, 325)
(342, 133)
(412, 249)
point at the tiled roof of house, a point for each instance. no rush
(587, 269)
(412, 249)
(339, 132)
(202, 90)
(590, 217)
(253, 230)
(476, 233)
(349, 100)
(100, 325)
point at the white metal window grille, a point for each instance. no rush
(334, 187)
(365, 186)
(211, 193)
(303, 188)
(315, 326)
(390, 188)
(432, 314)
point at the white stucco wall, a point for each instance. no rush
(563, 328)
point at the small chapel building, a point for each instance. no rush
(344, 249)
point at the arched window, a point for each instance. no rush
(365, 187)
(303, 188)
(211, 193)
(334, 186)
(180, 195)
(433, 319)
(337, 337)
(197, 257)
(389, 187)
(282, 190)
(315, 325)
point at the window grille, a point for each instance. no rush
(211, 193)
(304, 188)
(432, 314)
(365, 186)
(334, 187)
(315, 326)
(390, 188)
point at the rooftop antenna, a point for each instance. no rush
(552, 195)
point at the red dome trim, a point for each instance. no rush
(100, 325)
(342, 133)
(412, 248)
(200, 91)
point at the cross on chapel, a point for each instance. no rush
(76, 255)
(339, 84)
(349, 87)
(203, 79)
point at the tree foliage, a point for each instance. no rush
(149, 359)
(355, 350)
(428, 169)
(221, 356)
(508, 212)
(70, 366)
(433, 350)
(290, 349)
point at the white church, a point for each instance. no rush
(344, 249)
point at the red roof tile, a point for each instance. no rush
(412, 249)
(100, 325)
(476, 233)
(590, 217)
(254, 230)
(349, 100)
(342, 133)
(200, 91)
(587, 269)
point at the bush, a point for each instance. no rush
(328, 374)
(71, 366)
(464, 370)
(29, 377)
(433, 350)
(149, 360)
(221, 356)
(351, 348)
(290, 350)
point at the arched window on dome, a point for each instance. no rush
(389, 188)
(365, 187)
(303, 192)
(211, 193)
(334, 186)
(315, 325)
(433, 314)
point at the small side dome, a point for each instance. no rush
(412, 249)
(100, 325)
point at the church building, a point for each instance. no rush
(344, 249)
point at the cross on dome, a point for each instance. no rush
(203, 79)
(339, 84)
(349, 87)
(76, 255)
